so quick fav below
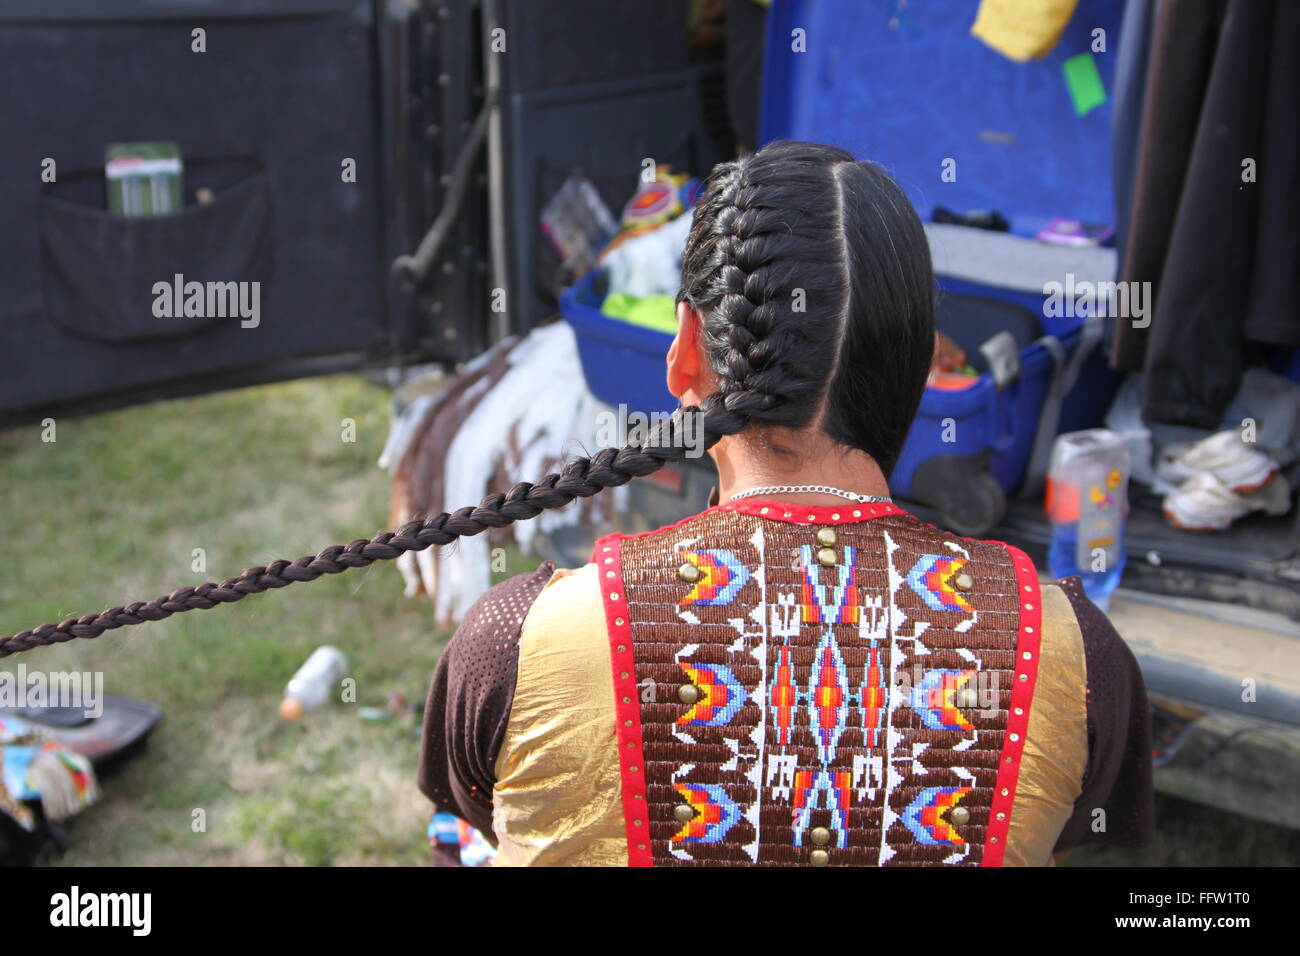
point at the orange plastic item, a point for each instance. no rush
(1061, 501)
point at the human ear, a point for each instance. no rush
(685, 362)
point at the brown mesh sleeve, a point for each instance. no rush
(468, 707)
(1118, 774)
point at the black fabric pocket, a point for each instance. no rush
(101, 272)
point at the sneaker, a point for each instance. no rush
(1239, 467)
(1204, 503)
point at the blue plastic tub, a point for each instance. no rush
(623, 363)
(995, 425)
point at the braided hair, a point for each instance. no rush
(811, 275)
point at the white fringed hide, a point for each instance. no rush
(513, 414)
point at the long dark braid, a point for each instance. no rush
(767, 267)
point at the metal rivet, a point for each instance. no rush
(1020, 711)
(1005, 791)
(688, 573)
(857, 513)
(827, 556)
(688, 693)
(820, 836)
(959, 815)
(826, 536)
(963, 581)
(819, 858)
(684, 812)
(1002, 816)
(1015, 737)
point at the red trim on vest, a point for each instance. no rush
(627, 708)
(851, 513)
(1028, 643)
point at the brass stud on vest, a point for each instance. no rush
(688, 573)
(688, 693)
(819, 857)
(826, 536)
(684, 812)
(820, 836)
(963, 581)
(959, 816)
(827, 556)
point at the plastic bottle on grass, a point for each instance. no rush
(1087, 502)
(313, 682)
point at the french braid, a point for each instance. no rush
(727, 269)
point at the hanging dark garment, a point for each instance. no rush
(1132, 56)
(1273, 315)
(1220, 88)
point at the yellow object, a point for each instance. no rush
(1022, 29)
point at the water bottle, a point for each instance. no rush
(313, 682)
(1087, 502)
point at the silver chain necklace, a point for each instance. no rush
(808, 489)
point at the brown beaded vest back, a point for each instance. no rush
(818, 686)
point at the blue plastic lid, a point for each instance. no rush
(908, 86)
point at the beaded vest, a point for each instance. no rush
(818, 686)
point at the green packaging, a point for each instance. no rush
(143, 179)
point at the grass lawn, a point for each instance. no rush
(112, 511)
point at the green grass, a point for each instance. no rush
(112, 511)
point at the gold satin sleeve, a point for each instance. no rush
(1056, 743)
(558, 797)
